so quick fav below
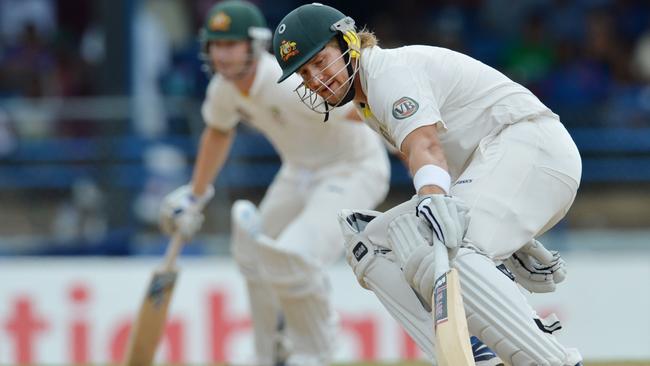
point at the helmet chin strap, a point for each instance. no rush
(346, 57)
(327, 112)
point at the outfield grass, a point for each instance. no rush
(409, 363)
(614, 363)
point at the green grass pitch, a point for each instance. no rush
(409, 363)
(615, 363)
(612, 363)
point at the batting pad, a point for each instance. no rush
(303, 290)
(385, 280)
(245, 225)
(263, 303)
(375, 270)
(500, 316)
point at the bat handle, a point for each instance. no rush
(441, 258)
(173, 249)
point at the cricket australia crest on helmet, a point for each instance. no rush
(219, 22)
(288, 49)
(405, 107)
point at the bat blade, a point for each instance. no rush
(150, 322)
(450, 324)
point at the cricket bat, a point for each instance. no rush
(449, 321)
(150, 323)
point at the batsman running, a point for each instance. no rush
(284, 247)
(492, 166)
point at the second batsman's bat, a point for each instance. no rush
(449, 321)
(150, 323)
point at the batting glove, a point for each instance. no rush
(181, 211)
(447, 217)
(536, 268)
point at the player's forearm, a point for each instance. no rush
(422, 147)
(213, 151)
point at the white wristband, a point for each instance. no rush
(432, 175)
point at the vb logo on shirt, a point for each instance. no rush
(404, 107)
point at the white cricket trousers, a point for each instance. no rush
(300, 208)
(518, 184)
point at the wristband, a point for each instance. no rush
(432, 175)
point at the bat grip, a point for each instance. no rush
(441, 258)
(173, 249)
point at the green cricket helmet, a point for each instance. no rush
(231, 20)
(305, 31)
(301, 35)
(234, 20)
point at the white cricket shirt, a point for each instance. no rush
(298, 134)
(414, 86)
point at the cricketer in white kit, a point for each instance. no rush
(284, 247)
(493, 168)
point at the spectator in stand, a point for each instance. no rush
(531, 56)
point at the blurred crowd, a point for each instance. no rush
(48, 49)
(589, 60)
(44, 49)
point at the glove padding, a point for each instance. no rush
(406, 233)
(181, 211)
(359, 250)
(447, 217)
(419, 272)
(536, 268)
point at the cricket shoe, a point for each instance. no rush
(574, 356)
(282, 344)
(483, 355)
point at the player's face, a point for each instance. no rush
(326, 74)
(229, 58)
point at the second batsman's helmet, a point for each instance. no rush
(235, 20)
(232, 20)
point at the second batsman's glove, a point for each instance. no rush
(181, 212)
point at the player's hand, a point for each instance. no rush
(536, 268)
(181, 211)
(447, 217)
